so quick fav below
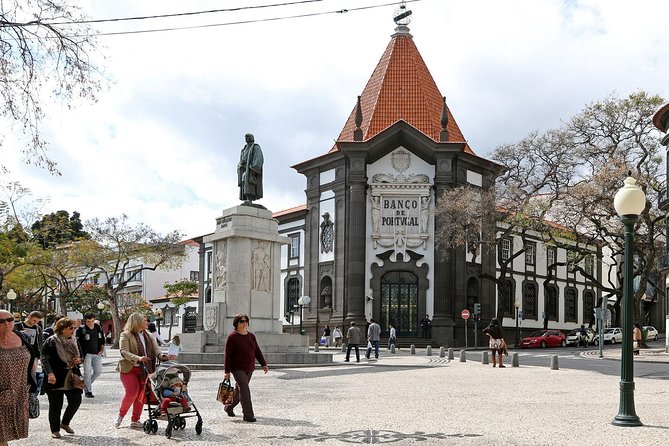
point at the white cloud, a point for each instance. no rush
(163, 142)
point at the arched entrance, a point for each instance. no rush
(399, 302)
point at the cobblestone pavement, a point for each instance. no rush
(399, 399)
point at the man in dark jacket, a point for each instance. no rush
(91, 342)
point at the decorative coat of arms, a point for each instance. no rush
(401, 160)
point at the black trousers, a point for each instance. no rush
(56, 406)
(242, 393)
(357, 351)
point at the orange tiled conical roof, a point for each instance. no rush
(401, 88)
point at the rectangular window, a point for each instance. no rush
(194, 276)
(209, 254)
(572, 257)
(294, 246)
(530, 253)
(506, 248)
(551, 256)
(589, 264)
(570, 305)
(530, 300)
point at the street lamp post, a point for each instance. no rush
(517, 305)
(629, 202)
(11, 297)
(301, 303)
(101, 307)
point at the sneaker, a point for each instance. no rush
(89, 395)
(67, 428)
(502, 366)
(118, 422)
(55, 434)
(136, 425)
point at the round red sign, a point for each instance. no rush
(465, 314)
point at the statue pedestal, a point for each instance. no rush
(246, 279)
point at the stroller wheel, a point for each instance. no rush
(147, 427)
(154, 426)
(176, 423)
(182, 423)
(198, 427)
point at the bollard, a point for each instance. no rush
(442, 352)
(450, 354)
(392, 349)
(428, 350)
(463, 356)
(317, 347)
(514, 360)
(343, 348)
(484, 359)
(554, 362)
(412, 350)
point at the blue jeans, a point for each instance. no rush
(375, 344)
(92, 369)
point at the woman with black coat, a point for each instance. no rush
(496, 343)
(60, 356)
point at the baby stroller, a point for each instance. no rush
(175, 414)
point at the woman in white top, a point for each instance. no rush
(155, 335)
(392, 339)
(174, 348)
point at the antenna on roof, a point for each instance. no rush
(402, 15)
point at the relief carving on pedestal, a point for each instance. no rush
(220, 265)
(261, 261)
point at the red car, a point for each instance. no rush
(544, 338)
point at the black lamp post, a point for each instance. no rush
(629, 202)
(301, 303)
(159, 317)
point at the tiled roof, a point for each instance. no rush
(299, 208)
(401, 88)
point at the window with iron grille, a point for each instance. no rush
(506, 296)
(293, 294)
(588, 305)
(194, 276)
(530, 253)
(530, 300)
(506, 248)
(570, 308)
(551, 302)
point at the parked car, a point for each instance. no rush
(612, 335)
(651, 332)
(574, 337)
(543, 339)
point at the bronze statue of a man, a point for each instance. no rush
(249, 171)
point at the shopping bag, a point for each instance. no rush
(225, 392)
(324, 341)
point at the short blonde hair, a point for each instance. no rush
(134, 323)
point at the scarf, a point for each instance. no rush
(67, 349)
(149, 352)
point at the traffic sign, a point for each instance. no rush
(465, 314)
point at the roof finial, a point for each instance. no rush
(357, 133)
(443, 136)
(402, 18)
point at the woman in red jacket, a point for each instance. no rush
(241, 351)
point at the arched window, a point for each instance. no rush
(399, 302)
(530, 300)
(507, 298)
(570, 307)
(588, 306)
(551, 302)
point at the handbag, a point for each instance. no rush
(33, 405)
(76, 381)
(225, 392)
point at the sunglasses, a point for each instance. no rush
(9, 319)
(245, 321)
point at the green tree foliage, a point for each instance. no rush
(119, 252)
(47, 57)
(58, 228)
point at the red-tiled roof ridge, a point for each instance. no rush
(401, 88)
(189, 242)
(301, 207)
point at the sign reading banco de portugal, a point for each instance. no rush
(400, 212)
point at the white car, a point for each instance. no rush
(651, 333)
(612, 335)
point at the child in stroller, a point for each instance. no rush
(175, 395)
(167, 399)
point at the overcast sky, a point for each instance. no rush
(162, 143)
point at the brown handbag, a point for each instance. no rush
(225, 392)
(76, 381)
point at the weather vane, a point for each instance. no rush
(402, 15)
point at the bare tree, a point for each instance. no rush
(46, 56)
